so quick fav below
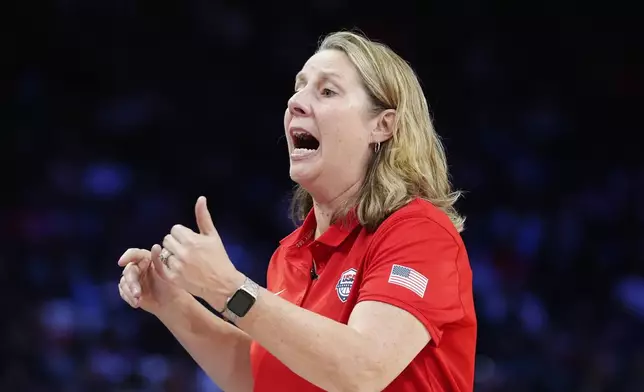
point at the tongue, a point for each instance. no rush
(302, 152)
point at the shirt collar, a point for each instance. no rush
(333, 237)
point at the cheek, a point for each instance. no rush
(354, 135)
(350, 143)
(344, 131)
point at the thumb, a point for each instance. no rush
(204, 220)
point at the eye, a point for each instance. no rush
(327, 92)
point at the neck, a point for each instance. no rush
(325, 210)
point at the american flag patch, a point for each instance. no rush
(408, 278)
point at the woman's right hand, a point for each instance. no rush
(142, 283)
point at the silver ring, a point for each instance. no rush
(165, 256)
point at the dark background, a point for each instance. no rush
(116, 115)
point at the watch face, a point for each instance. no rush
(241, 302)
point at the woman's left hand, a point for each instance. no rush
(199, 263)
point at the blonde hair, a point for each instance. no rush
(412, 164)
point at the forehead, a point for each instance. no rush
(329, 63)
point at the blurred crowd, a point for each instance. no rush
(120, 114)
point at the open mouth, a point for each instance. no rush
(305, 141)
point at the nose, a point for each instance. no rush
(297, 107)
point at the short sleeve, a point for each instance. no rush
(413, 264)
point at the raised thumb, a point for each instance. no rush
(204, 220)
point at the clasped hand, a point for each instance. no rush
(198, 263)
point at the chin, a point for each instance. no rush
(304, 173)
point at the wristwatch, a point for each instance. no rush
(240, 303)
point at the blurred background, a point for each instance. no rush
(116, 115)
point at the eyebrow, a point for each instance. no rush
(325, 75)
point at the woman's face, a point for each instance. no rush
(328, 124)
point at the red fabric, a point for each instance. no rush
(355, 266)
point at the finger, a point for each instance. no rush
(181, 233)
(132, 274)
(204, 219)
(144, 264)
(132, 255)
(174, 264)
(126, 294)
(159, 267)
(171, 244)
(122, 294)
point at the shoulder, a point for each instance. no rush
(419, 232)
(418, 219)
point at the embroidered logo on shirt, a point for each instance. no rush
(408, 278)
(343, 288)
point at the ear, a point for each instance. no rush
(384, 129)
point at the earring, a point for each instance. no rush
(376, 148)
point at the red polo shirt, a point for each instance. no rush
(415, 260)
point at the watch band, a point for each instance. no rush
(249, 287)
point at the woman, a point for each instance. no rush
(374, 290)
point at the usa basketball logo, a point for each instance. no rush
(343, 288)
